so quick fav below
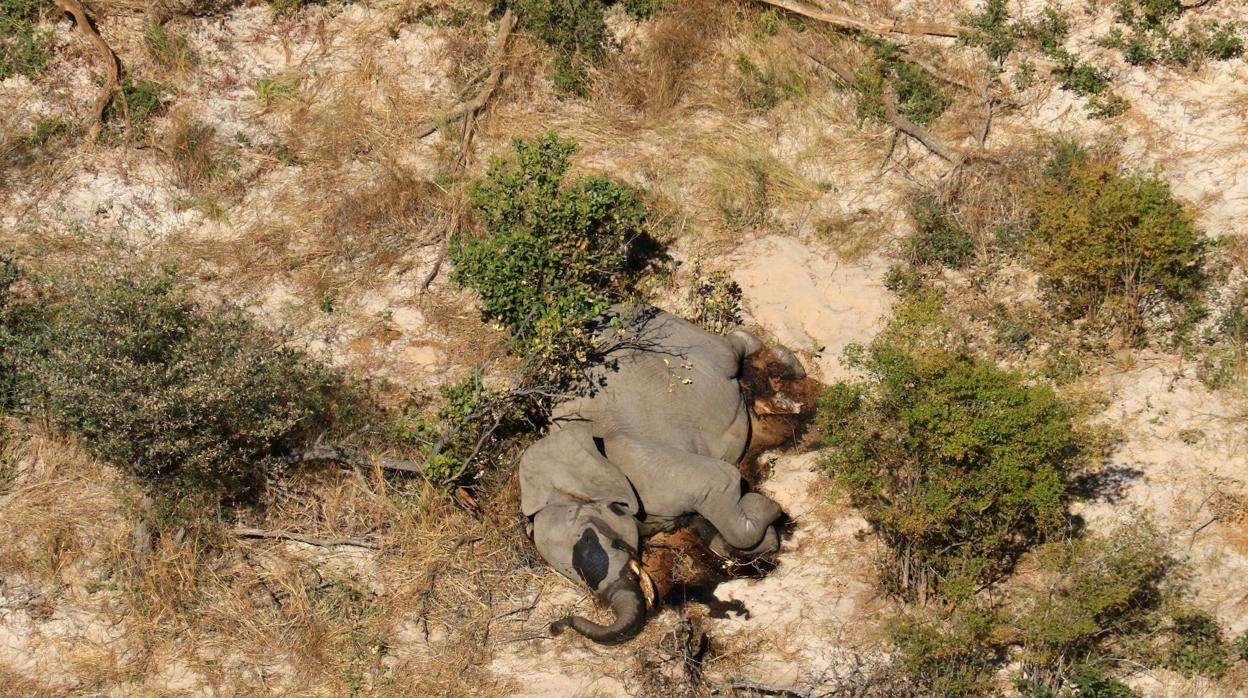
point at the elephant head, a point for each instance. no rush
(583, 522)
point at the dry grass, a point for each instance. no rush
(675, 59)
(59, 521)
(196, 159)
(418, 617)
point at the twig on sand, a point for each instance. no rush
(352, 458)
(470, 108)
(112, 78)
(879, 27)
(243, 532)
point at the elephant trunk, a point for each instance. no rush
(626, 600)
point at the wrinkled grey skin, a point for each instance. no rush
(654, 443)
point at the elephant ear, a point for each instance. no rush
(565, 467)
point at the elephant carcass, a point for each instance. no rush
(666, 411)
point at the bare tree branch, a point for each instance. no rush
(112, 78)
(471, 107)
(243, 532)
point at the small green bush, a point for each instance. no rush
(188, 399)
(992, 30)
(919, 98)
(143, 101)
(716, 300)
(276, 89)
(556, 254)
(23, 46)
(1198, 646)
(555, 251)
(954, 653)
(452, 440)
(957, 464)
(1240, 647)
(1100, 594)
(1111, 244)
(939, 237)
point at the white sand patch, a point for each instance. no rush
(809, 300)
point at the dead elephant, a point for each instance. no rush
(653, 446)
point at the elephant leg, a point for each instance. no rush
(671, 482)
(743, 521)
(743, 343)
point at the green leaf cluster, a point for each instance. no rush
(919, 98)
(23, 46)
(556, 251)
(1111, 244)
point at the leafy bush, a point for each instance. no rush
(1108, 243)
(188, 399)
(23, 46)
(1099, 593)
(716, 300)
(953, 654)
(555, 251)
(1198, 646)
(919, 98)
(135, 107)
(556, 254)
(577, 29)
(939, 237)
(958, 464)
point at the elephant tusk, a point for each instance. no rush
(648, 589)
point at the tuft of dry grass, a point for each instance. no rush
(58, 516)
(195, 158)
(673, 59)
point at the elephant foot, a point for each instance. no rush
(768, 545)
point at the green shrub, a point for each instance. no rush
(1099, 595)
(188, 399)
(1108, 243)
(1198, 646)
(555, 251)
(919, 98)
(1240, 647)
(954, 653)
(939, 237)
(573, 26)
(556, 254)
(570, 75)
(143, 101)
(276, 89)
(1092, 682)
(957, 464)
(23, 46)
(716, 300)
(453, 441)
(992, 30)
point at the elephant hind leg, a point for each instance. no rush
(743, 521)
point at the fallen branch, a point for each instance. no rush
(112, 81)
(352, 458)
(895, 118)
(476, 104)
(914, 130)
(300, 538)
(877, 27)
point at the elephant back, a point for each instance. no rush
(565, 467)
